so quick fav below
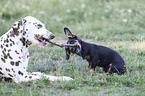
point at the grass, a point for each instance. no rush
(118, 24)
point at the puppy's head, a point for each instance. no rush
(72, 39)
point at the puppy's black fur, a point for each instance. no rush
(96, 55)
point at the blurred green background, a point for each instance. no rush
(96, 19)
(117, 24)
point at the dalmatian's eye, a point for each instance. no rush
(39, 26)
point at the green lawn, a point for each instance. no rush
(118, 24)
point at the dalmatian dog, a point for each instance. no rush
(14, 53)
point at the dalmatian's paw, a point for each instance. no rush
(55, 78)
(64, 78)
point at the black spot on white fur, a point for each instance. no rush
(26, 76)
(1, 46)
(7, 69)
(9, 56)
(4, 49)
(20, 73)
(1, 73)
(3, 60)
(6, 55)
(25, 42)
(17, 52)
(12, 62)
(13, 70)
(10, 75)
(17, 63)
(12, 41)
(9, 50)
(30, 77)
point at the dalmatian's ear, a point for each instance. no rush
(16, 26)
(68, 33)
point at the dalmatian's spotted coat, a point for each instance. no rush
(14, 53)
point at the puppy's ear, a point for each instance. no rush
(68, 33)
(67, 52)
(16, 26)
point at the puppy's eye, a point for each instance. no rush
(39, 26)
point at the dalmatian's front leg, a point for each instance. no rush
(39, 75)
(25, 77)
(52, 78)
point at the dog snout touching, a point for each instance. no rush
(52, 36)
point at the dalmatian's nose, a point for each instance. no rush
(52, 36)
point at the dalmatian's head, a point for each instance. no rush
(31, 30)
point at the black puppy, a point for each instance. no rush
(96, 55)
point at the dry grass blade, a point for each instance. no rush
(63, 45)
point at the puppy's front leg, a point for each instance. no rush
(91, 69)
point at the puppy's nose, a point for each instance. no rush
(52, 36)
